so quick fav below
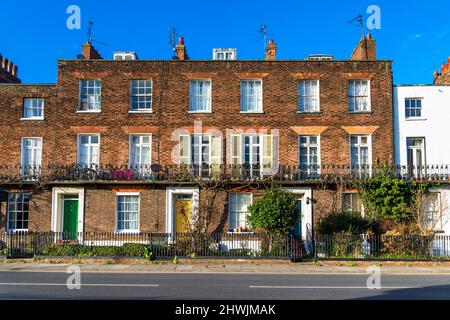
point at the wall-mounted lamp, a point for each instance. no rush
(308, 200)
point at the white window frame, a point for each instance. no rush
(300, 96)
(42, 109)
(89, 155)
(231, 211)
(22, 153)
(415, 108)
(352, 193)
(118, 194)
(308, 145)
(141, 110)
(8, 213)
(438, 226)
(87, 95)
(141, 144)
(369, 101)
(191, 96)
(359, 146)
(260, 106)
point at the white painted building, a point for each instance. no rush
(422, 122)
(422, 140)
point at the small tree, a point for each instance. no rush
(275, 212)
(386, 197)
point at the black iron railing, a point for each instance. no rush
(152, 245)
(156, 172)
(382, 247)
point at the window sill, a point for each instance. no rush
(80, 111)
(32, 119)
(141, 111)
(416, 119)
(200, 112)
(17, 230)
(359, 112)
(251, 112)
(312, 112)
(127, 231)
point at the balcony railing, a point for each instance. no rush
(231, 173)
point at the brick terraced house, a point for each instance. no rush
(129, 145)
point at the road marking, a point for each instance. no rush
(323, 287)
(83, 285)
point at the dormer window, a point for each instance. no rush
(224, 54)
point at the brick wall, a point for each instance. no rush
(170, 107)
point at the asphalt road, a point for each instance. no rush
(220, 286)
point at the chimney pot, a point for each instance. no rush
(181, 41)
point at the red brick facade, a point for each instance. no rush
(170, 111)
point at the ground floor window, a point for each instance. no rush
(431, 212)
(351, 202)
(18, 211)
(238, 208)
(127, 212)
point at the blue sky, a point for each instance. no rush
(415, 34)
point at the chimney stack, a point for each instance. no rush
(180, 50)
(271, 51)
(366, 49)
(89, 52)
(8, 71)
(443, 77)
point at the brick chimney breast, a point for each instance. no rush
(180, 50)
(89, 52)
(271, 51)
(366, 49)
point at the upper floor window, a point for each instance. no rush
(200, 95)
(31, 155)
(90, 95)
(253, 155)
(413, 108)
(33, 108)
(89, 149)
(308, 96)
(360, 153)
(359, 95)
(309, 154)
(140, 150)
(18, 211)
(202, 152)
(141, 95)
(251, 96)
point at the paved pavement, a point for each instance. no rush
(220, 286)
(245, 267)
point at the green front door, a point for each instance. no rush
(70, 219)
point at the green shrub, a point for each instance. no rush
(275, 212)
(349, 222)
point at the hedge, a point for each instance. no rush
(77, 250)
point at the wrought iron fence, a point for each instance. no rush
(381, 247)
(152, 245)
(156, 172)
